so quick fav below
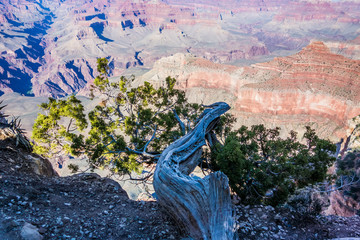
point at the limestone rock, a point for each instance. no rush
(30, 232)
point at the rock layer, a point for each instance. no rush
(314, 86)
(49, 48)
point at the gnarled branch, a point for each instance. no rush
(201, 206)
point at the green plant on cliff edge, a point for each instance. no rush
(129, 127)
(133, 125)
(263, 168)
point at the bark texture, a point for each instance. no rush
(201, 206)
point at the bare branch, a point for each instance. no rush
(343, 183)
(152, 138)
(181, 124)
(141, 179)
(156, 156)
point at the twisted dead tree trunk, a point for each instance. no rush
(201, 206)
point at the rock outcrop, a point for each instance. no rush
(314, 83)
(314, 86)
(16, 156)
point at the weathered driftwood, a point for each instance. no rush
(201, 206)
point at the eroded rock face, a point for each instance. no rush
(49, 48)
(342, 205)
(349, 49)
(314, 86)
(23, 23)
(314, 83)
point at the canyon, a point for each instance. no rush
(280, 63)
(312, 87)
(49, 48)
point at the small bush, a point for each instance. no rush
(2, 115)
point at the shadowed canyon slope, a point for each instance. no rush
(23, 25)
(49, 48)
(313, 86)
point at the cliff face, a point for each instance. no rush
(350, 49)
(314, 86)
(22, 25)
(49, 48)
(313, 83)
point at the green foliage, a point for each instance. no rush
(133, 125)
(224, 127)
(130, 126)
(54, 131)
(263, 168)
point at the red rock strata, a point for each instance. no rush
(314, 86)
(49, 47)
(314, 82)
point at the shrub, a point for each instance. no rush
(263, 168)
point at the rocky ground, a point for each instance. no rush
(37, 204)
(86, 206)
(266, 222)
(83, 206)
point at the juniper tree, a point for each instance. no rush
(264, 168)
(130, 126)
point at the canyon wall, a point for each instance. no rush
(312, 87)
(49, 48)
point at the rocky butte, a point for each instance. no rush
(313, 86)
